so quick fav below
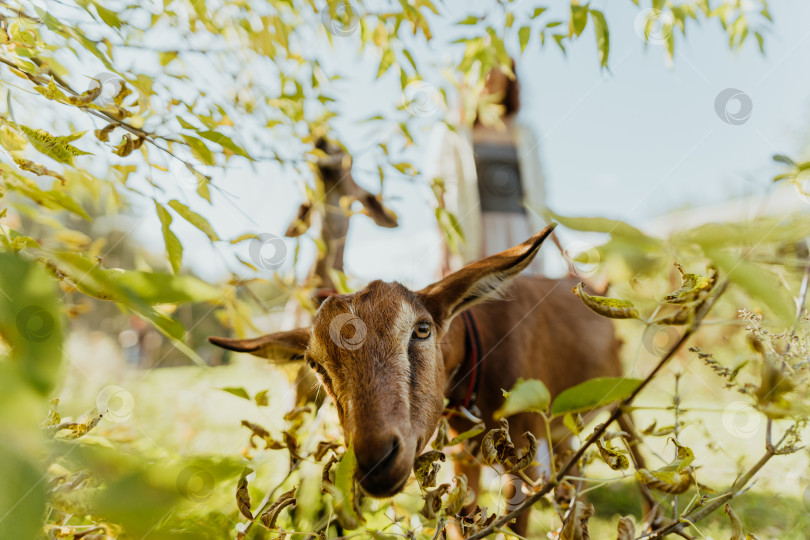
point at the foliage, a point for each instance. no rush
(98, 122)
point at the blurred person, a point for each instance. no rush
(491, 173)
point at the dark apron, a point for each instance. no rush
(499, 186)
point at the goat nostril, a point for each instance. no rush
(379, 455)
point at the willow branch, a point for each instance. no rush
(149, 137)
(617, 411)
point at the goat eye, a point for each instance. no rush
(422, 330)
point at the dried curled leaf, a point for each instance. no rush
(128, 144)
(666, 482)
(325, 473)
(324, 447)
(675, 477)
(497, 447)
(296, 416)
(458, 497)
(425, 468)
(242, 495)
(79, 428)
(39, 170)
(292, 445)
(433, 501)
(692, 285)
(683, 458)
(53, 418)
(260, 432)
(614, 459)
(575, 522)
(525, 457)
(626, 528)
(103, 134)
(271, 514)
(607, 307)
(441, 439)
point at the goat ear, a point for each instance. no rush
(479, 280)
(376, 210)
(279, 347)
(302, 221)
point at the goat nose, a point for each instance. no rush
(377, 453)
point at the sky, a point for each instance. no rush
(633, 143)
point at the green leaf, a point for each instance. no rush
(602, 36)
(199, 150)
(224, 142)
(782, 229)
(386, 62)
(56, 148)
(24, 498)
(31, 321)
(537, 12)
(159, 288)
(579, 19)
(194, 218)
(613, 308)
(601, 225)
(593, 394)
(524, 34)
(759, 283)
(343, 492)
(174, 249)
(237, 391)
(782, 158)
(525, 396)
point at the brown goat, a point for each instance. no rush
(388, 357)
